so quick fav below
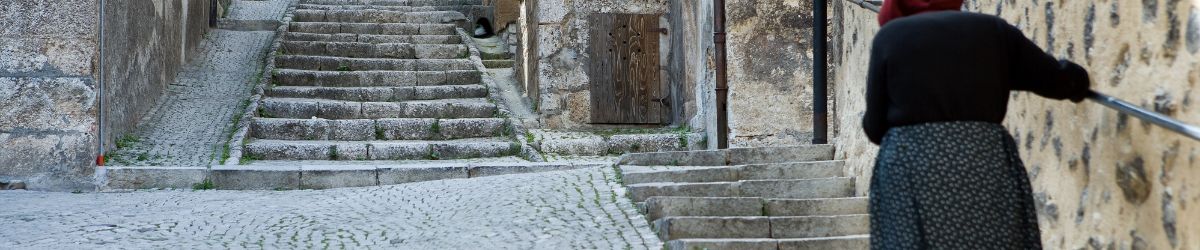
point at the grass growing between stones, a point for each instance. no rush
(205, 185)
(127, 141)
(529, 138)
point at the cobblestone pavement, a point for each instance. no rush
(577, 209)
(190, 123)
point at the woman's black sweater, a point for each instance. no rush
(955, 66)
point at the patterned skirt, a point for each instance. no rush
(951, 185)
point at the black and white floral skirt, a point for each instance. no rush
(951, 185)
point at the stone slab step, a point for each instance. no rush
(839, 187)
(376, 50)
(666, 206)
(851, 242)
(793, 170)
(295, 77)
(309, 175)
(377, 129)
(379, 94)
(733, 156)
(367, 38)
(330, 109)
(778, 227)
(373, 28)
(381, 150)
(495, 64)
(377, 16)
(394, 2)
(333, 63)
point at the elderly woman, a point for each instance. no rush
(948, 175)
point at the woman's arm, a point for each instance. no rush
(1036, 71)
(875, 119)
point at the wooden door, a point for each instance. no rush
(626, 86)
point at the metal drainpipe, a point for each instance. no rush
(722, 87)
(100, 93)
(820, 89)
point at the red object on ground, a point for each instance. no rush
(893, 9)
(100, 160)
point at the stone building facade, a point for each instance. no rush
(56, 56)
(1101, 180)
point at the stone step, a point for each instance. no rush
(376, 50)
(377, 16)
(366, 38)
(839, 187)
(295, 77)
(373, 28)
(733, 156)
(793, 170)
(380, 94)
(380, 150)
(330, 109)
(494, 64)
(394, 2)
(851, 242)
(592, 144)
(778, 227)
(332, 63)
(667, 206)
(378, 129)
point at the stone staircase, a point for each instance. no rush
(372, 80)
(748, 198)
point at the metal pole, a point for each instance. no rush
(722, 87)
(820, 89)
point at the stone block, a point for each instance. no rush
(816, 207)
(671, 228)
(255, 177)
(154, 177)
(666, 206)
(325, 177)
(423, 172)
(819, 226)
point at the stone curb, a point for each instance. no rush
(243, 129)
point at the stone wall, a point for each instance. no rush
(770, 72)
(691, 65)
(561, 65)
(1101, 180)
(50, 74)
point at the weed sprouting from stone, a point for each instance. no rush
(248, 158)
(683, 140)
(343, 68)
(529, 138)
(380, 134)
(433, 153)
(514, 148)
(436, 128)
(333, 153)
(127, 141)
(204, 185)
(143, 156)
(636, 147)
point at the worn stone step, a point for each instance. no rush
(377, 129)
(286, 175)
(493, 64)
(778, 227)
(380, 94)
(851, 242)
(330, 109)
(593, 143)
(377, 16)
(373, 28)
(394, 2)
(666, 206)
(380, 150)
(327, 63)
(838, 187)
(376, 50)
(733, 156)
(792, 170)
(296, 77)
(367, 38)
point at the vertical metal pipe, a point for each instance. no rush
(722, 87)
(100, 92)
(820, 89)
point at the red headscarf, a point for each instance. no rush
(893, 9)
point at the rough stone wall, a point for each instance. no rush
(562, 45)
(1101, 180)
(47, 93)
(50, 74)
(770, 72)
(145, 44)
